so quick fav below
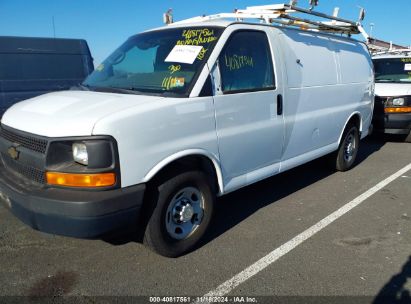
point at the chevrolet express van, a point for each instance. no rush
(178, 116)
(33, 66)
(392, 114)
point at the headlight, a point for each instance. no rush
(398, 101)
(80, 154)
(83, 162)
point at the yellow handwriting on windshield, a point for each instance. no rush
(406, 60)
(174, 68)
(197, 37)
(202, 54)
(238, 62)
(173, 82)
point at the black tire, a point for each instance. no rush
(164, 232)
(348, 149)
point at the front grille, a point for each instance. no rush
(26, 141)
(29, 172)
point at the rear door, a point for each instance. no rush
(248, 104)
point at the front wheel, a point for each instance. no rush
(183, 210)
(348, 149)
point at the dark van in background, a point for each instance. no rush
(33, 66)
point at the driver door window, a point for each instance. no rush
(245, 63)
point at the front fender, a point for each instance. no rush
(191, 152)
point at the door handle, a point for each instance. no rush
(279, 104)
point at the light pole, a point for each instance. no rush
(371, 28)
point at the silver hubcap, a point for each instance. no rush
(349, 147)
(184, 213)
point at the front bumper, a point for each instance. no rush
(393, 123)
(76, 213)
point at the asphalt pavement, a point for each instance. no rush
(364, 254)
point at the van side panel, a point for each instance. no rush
(309, 103)
(354, 66)
(357, 82)
(309, 59)
(328, 80)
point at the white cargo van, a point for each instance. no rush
(177, 116)
(392, 112)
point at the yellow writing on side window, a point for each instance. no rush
(237, 62)
(406, 60)
(173, 82)
(174, 68)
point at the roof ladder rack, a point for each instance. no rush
(282, 14)
(406, 52)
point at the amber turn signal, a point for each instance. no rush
(398, 110)
(81, 180)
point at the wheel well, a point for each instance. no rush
(356, 121)
(186, 163)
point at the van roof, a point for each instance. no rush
(13, 45)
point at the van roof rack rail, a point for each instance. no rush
(394, 52)
(282, 14)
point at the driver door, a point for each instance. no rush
(248, 106)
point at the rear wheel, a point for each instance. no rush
(183, 210)
(348, 149)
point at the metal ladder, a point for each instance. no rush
(283, 14)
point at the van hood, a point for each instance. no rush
(68, 113)
(392, 89)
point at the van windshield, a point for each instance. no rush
(393, 70)
(165, 62)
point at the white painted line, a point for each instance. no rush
(273, 256)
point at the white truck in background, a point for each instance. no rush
(392, 111)
(179, 115)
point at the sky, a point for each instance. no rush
(106, 24)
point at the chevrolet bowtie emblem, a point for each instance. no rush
(14, 153)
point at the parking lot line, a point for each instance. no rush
(277, 253)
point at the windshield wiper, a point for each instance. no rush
(154, 91)
(392, 81)
(129, 90)
(385, 80)
(114, 90)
